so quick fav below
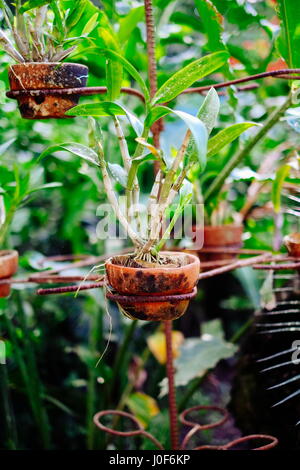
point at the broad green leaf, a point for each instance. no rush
(118, 173)
(289, 39)
(134, 121)
(75, 13)
(91, 24)
(226, 136)
(128, 23)
(33, 4)
(281, 175)
(114, 68)
(143, 407)
(208, 113)
(201, 354)
(185, 77)
(211, 20)
(105, 108)
(129, 68)
(194, 124)
(76, 149)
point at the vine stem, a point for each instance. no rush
(238, 157)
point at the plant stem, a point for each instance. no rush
(218, 183)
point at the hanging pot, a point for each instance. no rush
(220, 237)
(292, 243)
(8, 267)
(36, 77)
(153, 293)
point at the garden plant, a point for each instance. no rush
(116, 333)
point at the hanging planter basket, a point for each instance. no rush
(220, 238)
(153, 293)
(8, 267)
(292, 243)
(30, 84)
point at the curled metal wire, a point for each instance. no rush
(138, 432)
(195, 428)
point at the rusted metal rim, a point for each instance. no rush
(82, 91)
(202, 427)
(132, 299)
(123, 414)
(273, 443)
(282, 262)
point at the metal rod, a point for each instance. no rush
(174, 431)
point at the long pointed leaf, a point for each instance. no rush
(226, 136)
(189, 75)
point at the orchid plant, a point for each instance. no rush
(43, 31)
(172, 183)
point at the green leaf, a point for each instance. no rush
(185, 77)
(128, 24)
(143, 407)
(90, 25)
(289, 38)
(201, 354)
(6, 145)
(76, 149)
(45, 186)
(211, 20)
(226, 136)
(194, 124)
(33, 4)
(105, 108)
(118, 173)
(208, 113)
(281, 175)
(130, 69)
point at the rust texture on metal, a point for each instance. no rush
(268, 441)
(131, 299)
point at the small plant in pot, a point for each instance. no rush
(39, 39)
(223, 227)
(17, 186)
(148, 283)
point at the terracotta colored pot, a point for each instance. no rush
(8, 267)
(221, 237)
(154, 282)
(292, 242)
(39, 76)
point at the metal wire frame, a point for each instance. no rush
(194, 429)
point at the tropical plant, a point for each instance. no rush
(17, 187)
(171, 183)
(42, 31)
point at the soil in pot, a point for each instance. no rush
(176, 274)
(220, 237)
(8, 267)
(43, 76)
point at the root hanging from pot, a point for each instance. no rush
(110, 328)
(94, 268)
